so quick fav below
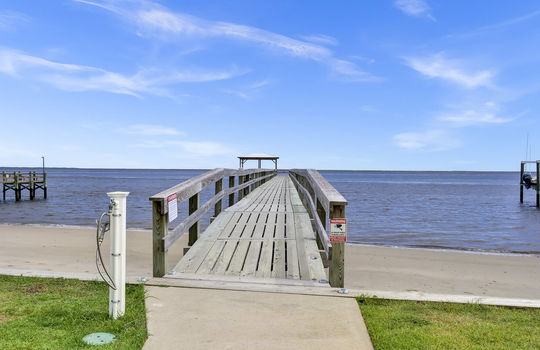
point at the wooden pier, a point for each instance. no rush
(532, 182)
(18, 181)
(273, 231)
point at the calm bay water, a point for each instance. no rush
(455, 210)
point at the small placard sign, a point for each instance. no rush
(338, 230)
(173, 207)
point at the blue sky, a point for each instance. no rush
(396, 84)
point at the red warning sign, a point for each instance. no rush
(338, 230)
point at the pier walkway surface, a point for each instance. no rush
(266, 235)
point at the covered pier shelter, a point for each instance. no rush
(259, 157)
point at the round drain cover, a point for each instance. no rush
(99, 338)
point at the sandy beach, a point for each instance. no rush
(72, 250)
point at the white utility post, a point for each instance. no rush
(117, 298)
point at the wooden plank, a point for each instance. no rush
(260, 226)
(270, 228)
(213, 255)
(305, 236)
(252, 259)
(280, 255)
(240, 225)
(195, 256)
(265, 262)
(293, 271)
(237, 261)
(224, 259)
(301, 250)
(280, 225)
(289, 226)
(255, 280)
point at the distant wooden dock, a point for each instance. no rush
(273, 231)
(18, 181)
(529, 181)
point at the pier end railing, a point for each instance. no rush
(323, 202)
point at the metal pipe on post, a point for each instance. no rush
(117, 295)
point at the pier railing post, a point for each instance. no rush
(521, 182)
(219, 205)
(231, 196)
(194, 202)
(337, 261)
(241, 192)
(538, 183)
(160, 228)
(17, 187)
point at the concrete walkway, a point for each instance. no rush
(191, 318)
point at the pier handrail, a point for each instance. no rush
(190, 190)
(324, 202)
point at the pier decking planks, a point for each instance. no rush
(267, 234)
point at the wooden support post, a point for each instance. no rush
(194, 202)
(240, 192)
(4, 184)
(231, 196)
(32, 185)
(160, 228)
(17, 187)
(219, 205)
(538, 183)
(246, 190)
(337, 260)
(45, 185)
(521, 182)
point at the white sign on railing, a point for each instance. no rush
(173, 207)
(338, 230)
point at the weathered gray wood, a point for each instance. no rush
(252, 258)
(213, 255)
(194, 217)
(237, 261)
(190, 187)
(224, 259)
(265, 261)
(195, 256)
(231, 196)
(325, 192)
(219, 204)
(278, 268)
(160, 224)
(337, 260)
(319, 228)
(293, 271)
(194, 202)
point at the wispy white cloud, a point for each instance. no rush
(151, 130)
(441, 67)
(247, 92)
(156, 20)
(432, 140)
(84, 78)
(321, 39)
(486, 113)
(11, 19)
(497, 26)
(418, 8)
(189, 149)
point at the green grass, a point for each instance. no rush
(427, 325)
(43, 313)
